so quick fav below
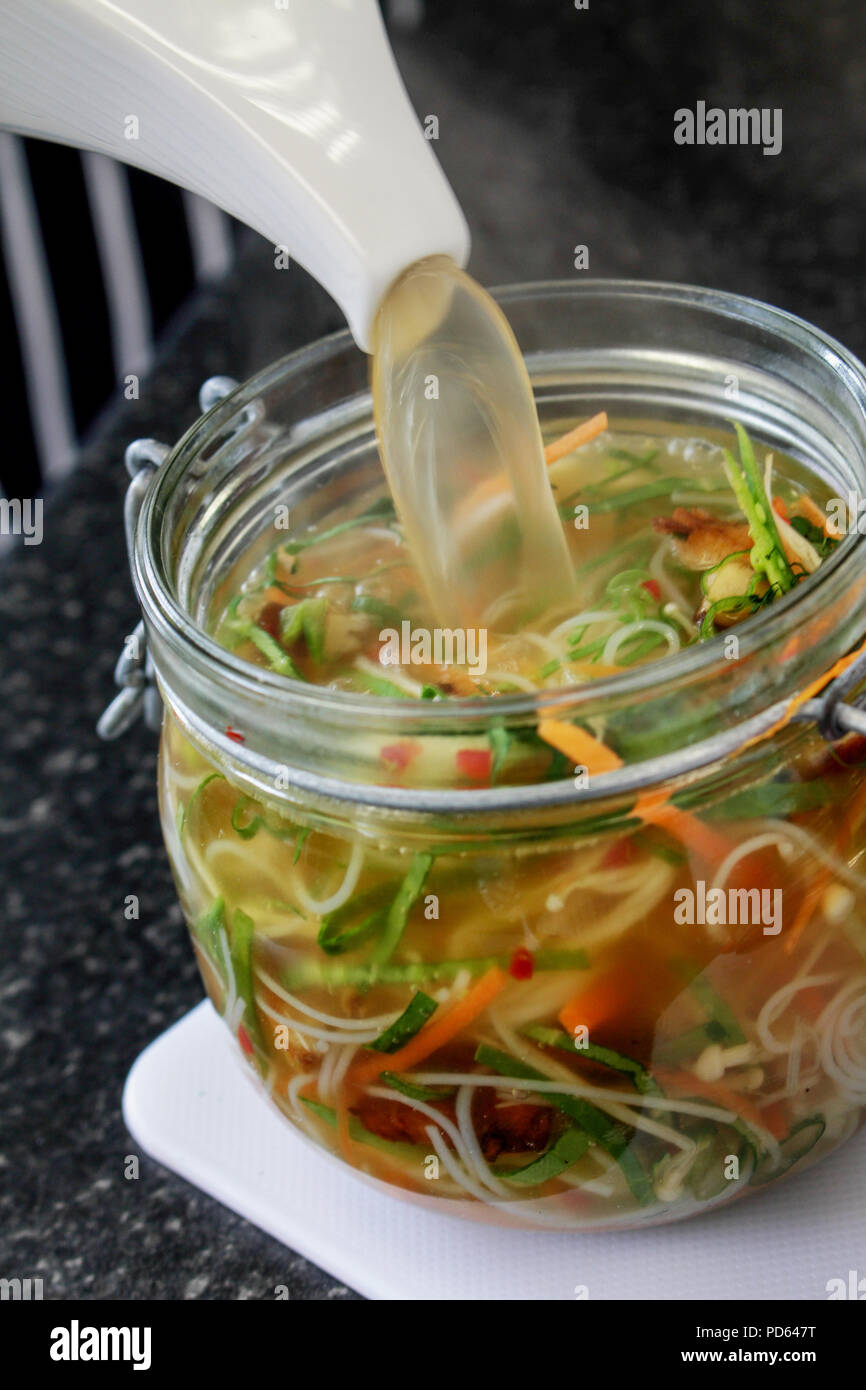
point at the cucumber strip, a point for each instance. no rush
(278, 660)
(362, 975)
(306, 619)
(377, 685)
(299, 843)
(611, 1137)
(413, 1090)
(241, 950)
(398, 913)
(410, 1152)
(413, 1017)
(341, 930)
(605, 1056)
(571, 1145)
(802, 1138)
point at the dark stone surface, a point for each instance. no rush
(556, 129)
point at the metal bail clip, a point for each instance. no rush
(134, 673)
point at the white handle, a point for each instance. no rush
(289, 114)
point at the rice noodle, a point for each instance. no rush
(463, 1109)
(592, 1093)
(308, 1030)
(394, 674)
(587, 619)
(657, 572)
(779, 1001)
(378, 1021)
(320, 906)
(466, 1156)
(842, 1027)
(802, 838)
(453, 1168)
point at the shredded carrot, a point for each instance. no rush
(809, 693)
(606, 998)
(581, 434)
(710, 844)
(685, 1084)
(579, 746)
(652, 807)
(438, 1032)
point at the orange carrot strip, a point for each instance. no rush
(438, 1031)
(710, 844)
(822, 882)
(687, 1085)
(809, 693)
(581, 434)
(653, 807)
(579, 746)
(594, 1005)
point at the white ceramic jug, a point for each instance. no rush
(289, 114)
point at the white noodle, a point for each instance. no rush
(454, 1169)
(843, 1039)
(498, 677)
(463, 1109)
(321, 906)
(601, 1098)
(657, 572)
(387, 1093)
(742, 851)
(379, 1021)
(778, 1002)
(308, 1030)
(801, 837)
(614, 642)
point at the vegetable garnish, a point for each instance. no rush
(592, 1052)
(439, 1031)
(595, 1123)
(581, 434)
(767, 557)
(398, 912)
(413, 1017)
(565, 1151)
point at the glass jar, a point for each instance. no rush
(718, 1055)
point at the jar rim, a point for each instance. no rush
(164, 613)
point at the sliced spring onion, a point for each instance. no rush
(241, 949)
(348, 926)
(398, 912)
(413, 1017)
(604, 1056)
(379, 511)
(715, 1007)
(609, 1136)
(183, 815)
(571, 1145)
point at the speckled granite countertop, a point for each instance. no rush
(540, 167)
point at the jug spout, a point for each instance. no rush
(289, 114)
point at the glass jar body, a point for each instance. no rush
(712, 967)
